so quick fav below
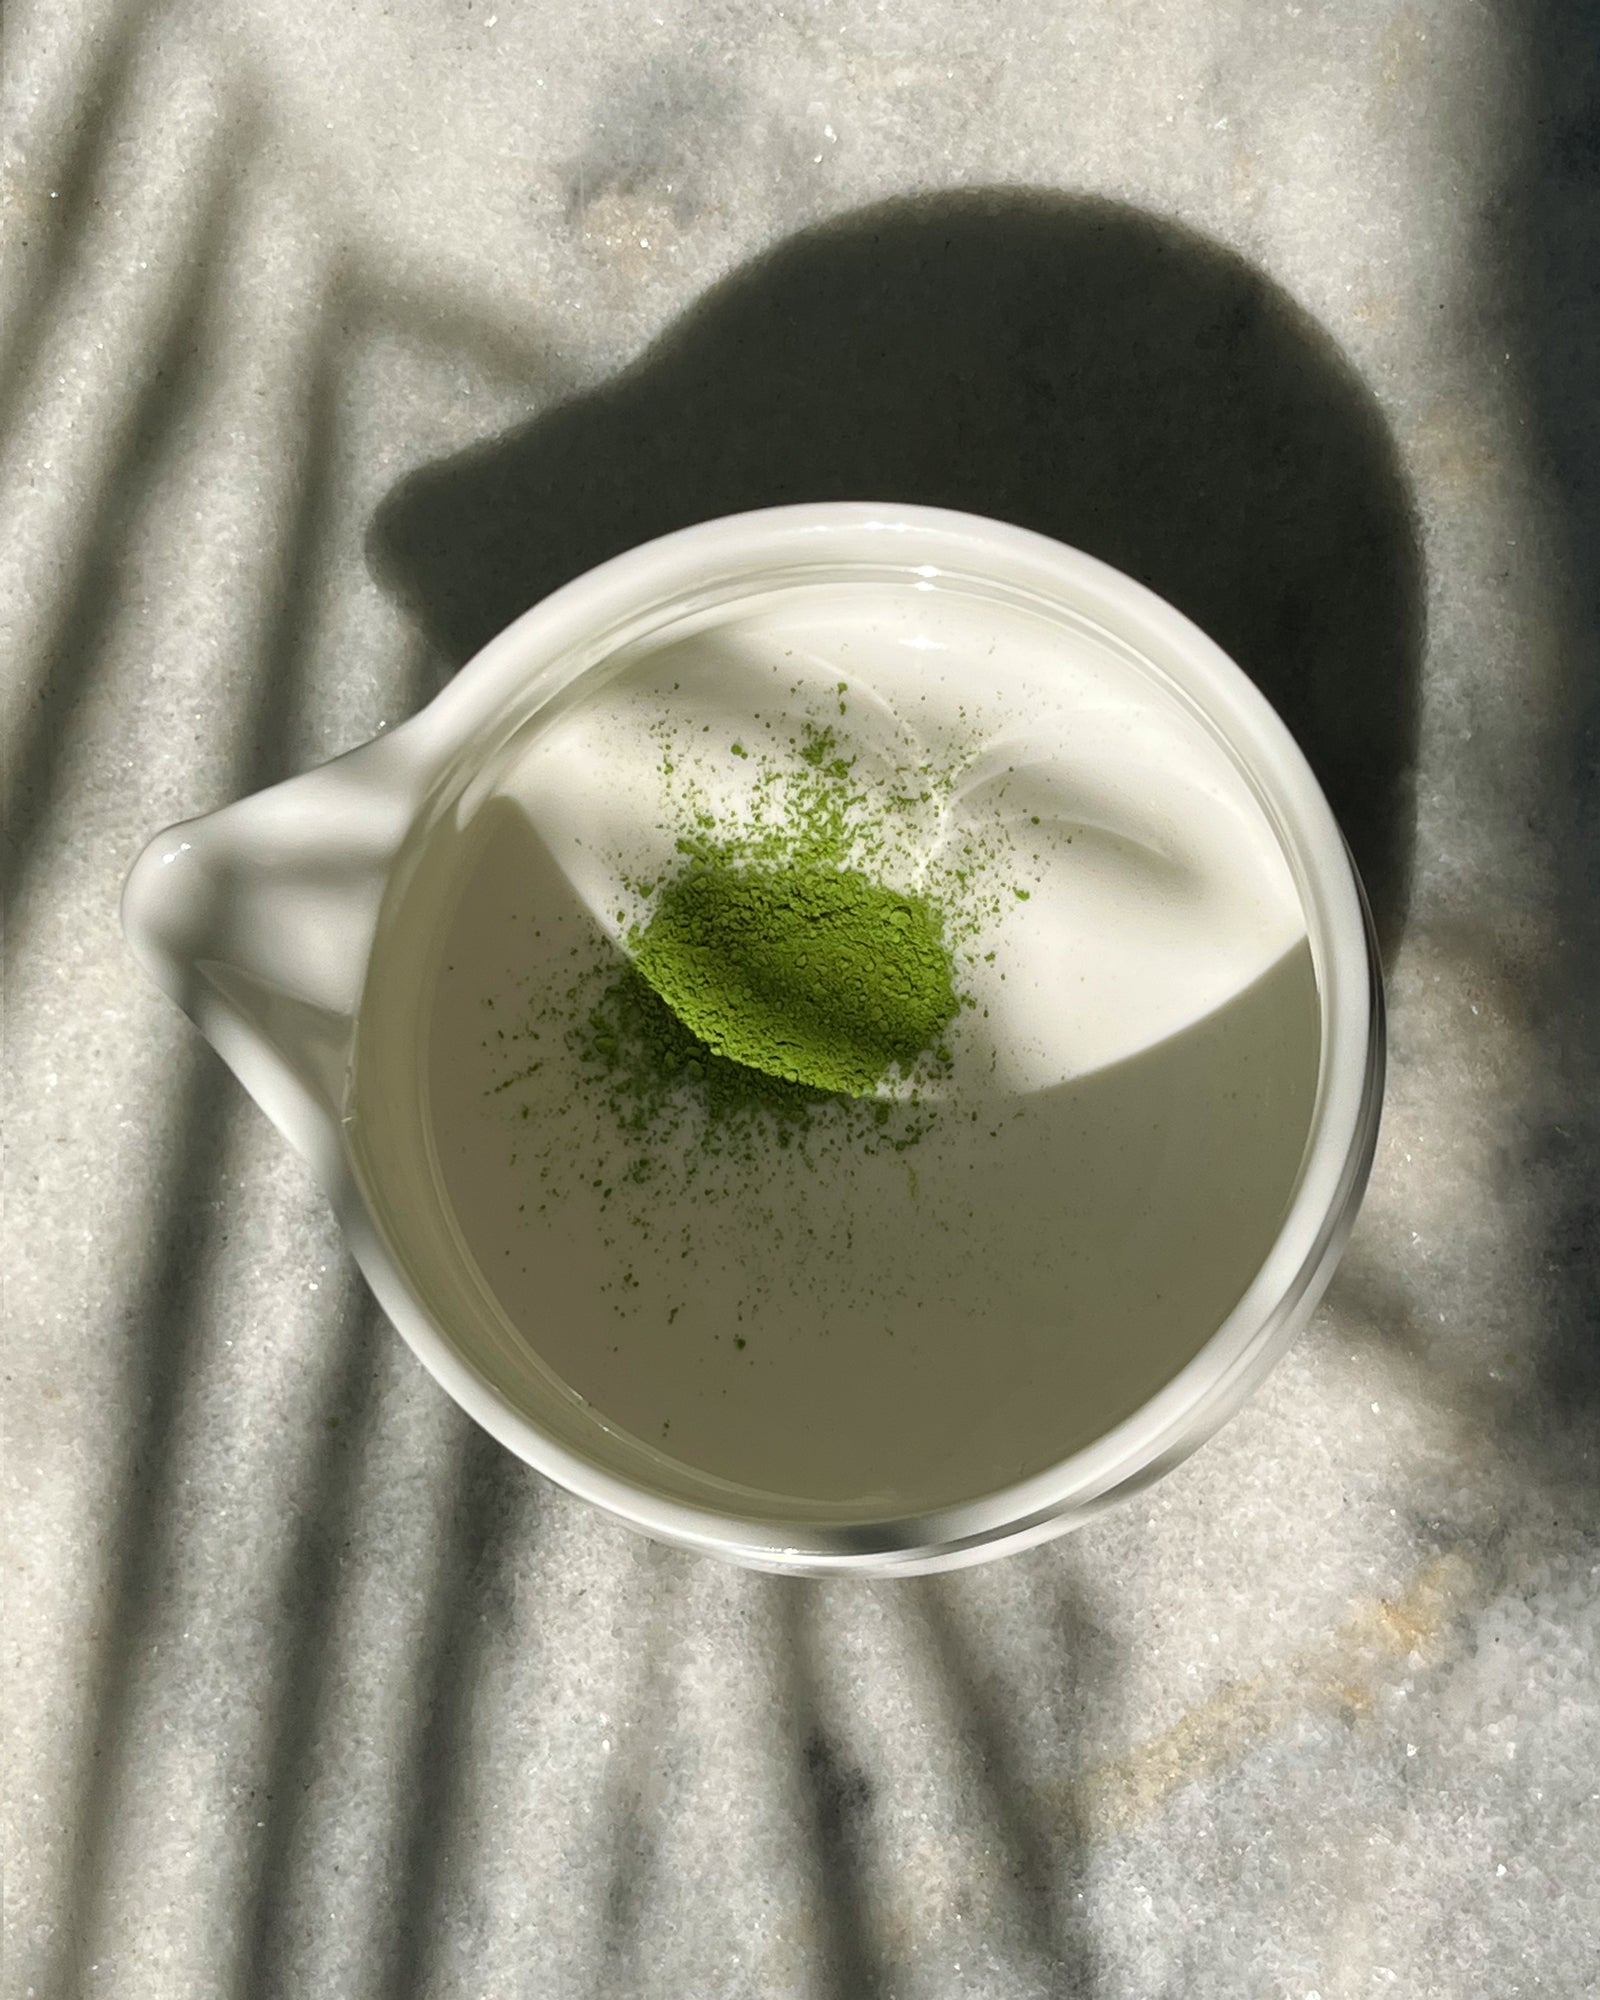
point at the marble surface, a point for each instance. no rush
(332, 335)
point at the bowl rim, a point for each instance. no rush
(1340, 1143)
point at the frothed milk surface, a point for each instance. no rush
(1084, 1191)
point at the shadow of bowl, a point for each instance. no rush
(1071, 365)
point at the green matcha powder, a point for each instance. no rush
(818, 977)
(776, 974)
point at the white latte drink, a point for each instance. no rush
(886, 1301)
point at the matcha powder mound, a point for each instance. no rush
(778, 986)
(817, 976)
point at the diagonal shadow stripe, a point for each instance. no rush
(494, 1520)
(1044, 1849)
(172, 1310)
(46, 254)
(835, 1806)
(74, 654)
(297, 1679)
(1547, 252)
(632, 1804)
(161, 1331)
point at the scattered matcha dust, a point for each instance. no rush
(648, 1063)
(783, 980)
(788, 980)
(815, 976)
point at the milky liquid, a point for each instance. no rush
(825, 1325)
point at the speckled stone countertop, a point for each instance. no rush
(332, 336)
